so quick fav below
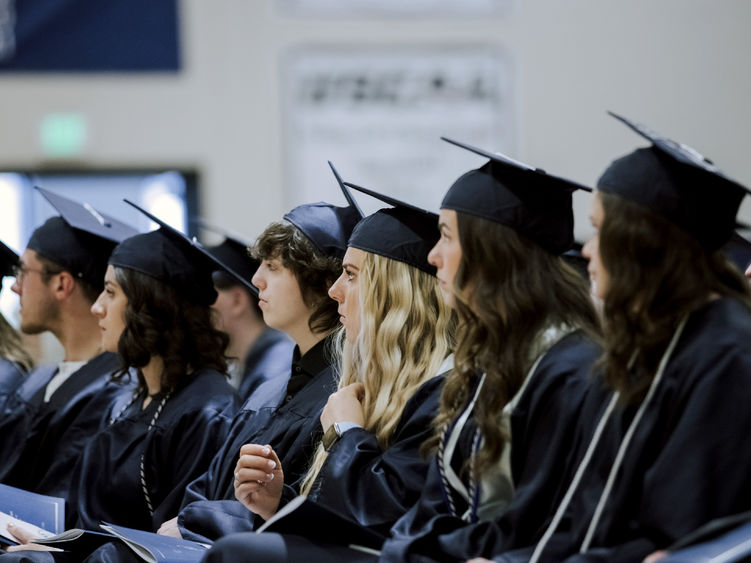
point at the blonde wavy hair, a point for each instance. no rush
(11, 347)
(406, 332)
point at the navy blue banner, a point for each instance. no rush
(89, 36)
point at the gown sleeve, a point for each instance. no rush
(255, 413)
(58, 449)
(61, 428)
(183, 454)
(414, 535)
(19, 415)
(376, 487)
(293, 429)
(200, 488)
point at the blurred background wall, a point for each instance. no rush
(532, 78)
(681, 66)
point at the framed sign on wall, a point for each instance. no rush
(379, 113)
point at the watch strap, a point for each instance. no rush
(335, 432)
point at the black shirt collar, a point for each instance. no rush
(305, 368)
(314, 360)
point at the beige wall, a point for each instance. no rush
(680, 66)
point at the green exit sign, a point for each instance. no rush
(63, 134)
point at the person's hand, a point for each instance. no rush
(656, 556)
(344, 406)
(259, 479)
(24, 537)
(169, 528)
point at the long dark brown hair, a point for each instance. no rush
(658, 274)
(508, 289)
(158, 322)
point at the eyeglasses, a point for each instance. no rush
(20, 272)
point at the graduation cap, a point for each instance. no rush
(8, 261)
(529, 200)
(678, 183)
(169, 256)
(80, 239)
(403, 232)
(232, 252)
(327, 226)
(350, 200)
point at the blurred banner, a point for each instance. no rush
(379, 113)
(89, 36)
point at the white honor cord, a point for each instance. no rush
(590, 451)
(450, 445)
(629, 435)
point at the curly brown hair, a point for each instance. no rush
(158, 322)
(658, 273)
(315, 272)
(508, 289)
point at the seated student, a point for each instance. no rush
(527, 331)
(56, 409)
(155, 313)
(15, 361)
(397, 335)
(300, 259)
(522, 357)
(259, 353)
(670, 452)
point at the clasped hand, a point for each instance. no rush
(344, 406)
(259, 479)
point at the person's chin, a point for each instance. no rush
(271, 322)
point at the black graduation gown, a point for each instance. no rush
(358, 480)
(17, 418)
(689, 459)
(268, 358)
(42, 441)
(192, 424)
(542, 435)
(51, 452)
(11, 376)
(272, 415)
(375, 487)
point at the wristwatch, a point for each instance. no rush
(335, 432)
